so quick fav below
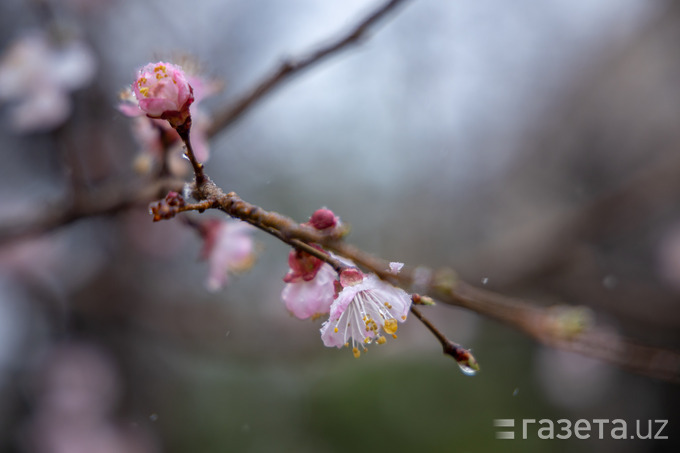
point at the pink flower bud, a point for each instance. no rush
(323, 218)
(302, 265)
(163, 91)
(351, 277)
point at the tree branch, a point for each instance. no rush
(565, 327)
(101, 201)
(293, 66)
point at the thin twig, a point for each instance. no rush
(200, 206)
(184, 133)
(456, 351)
(105, 200)
(293, 66)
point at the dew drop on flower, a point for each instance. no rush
(468, 371)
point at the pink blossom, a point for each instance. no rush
(163, 91)
(310, 286)
(311, 298)
(228, 247)
(361, 309)
(36, 76)
(157, 136)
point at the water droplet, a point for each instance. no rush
(485, 280)
(515, 392)
(153, 417)
(468, 371)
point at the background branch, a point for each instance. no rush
(295, 65)
(106, 200)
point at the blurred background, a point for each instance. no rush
(532, 146)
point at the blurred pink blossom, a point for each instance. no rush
(37, 75)
(78, 390)
(363, 307)
(228, 247)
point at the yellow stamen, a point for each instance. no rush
(381, 340)
(144, 92)
(391, 326)
(394, 335)
(335, 330)
(316, 316)
(356, 352)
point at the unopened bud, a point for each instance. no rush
(163, 91)
(323, 218)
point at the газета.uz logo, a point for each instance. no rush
(598, 428)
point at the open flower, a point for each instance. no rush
(228, 248)
(310, 285)
(163, 91)
(365, 307)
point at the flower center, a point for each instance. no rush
(363, 319)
